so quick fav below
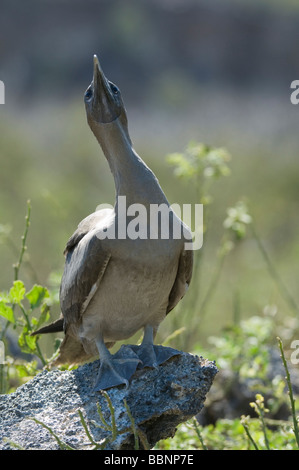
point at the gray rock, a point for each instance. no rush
(158, 400)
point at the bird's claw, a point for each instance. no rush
(153, 356)
(117, 370)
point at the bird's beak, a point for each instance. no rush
(105, 108)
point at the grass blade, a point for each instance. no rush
(292, 400)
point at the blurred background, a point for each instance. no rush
(210, 71)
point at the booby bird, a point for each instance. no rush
(113, 287)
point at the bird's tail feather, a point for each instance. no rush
(71, 351)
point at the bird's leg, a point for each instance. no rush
(115, 369)
(146, 351)
(151, 355)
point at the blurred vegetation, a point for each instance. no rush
(244, 349)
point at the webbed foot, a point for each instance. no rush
(151, 355)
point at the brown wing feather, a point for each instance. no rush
(85, 265)
(84, 227)
(182, 280)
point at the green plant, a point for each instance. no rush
(23, 310)
(244, 349)
(245, 433)
(26, 302)
(290, 391)
(259, 407)
(201, 165)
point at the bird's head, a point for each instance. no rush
(103, 101)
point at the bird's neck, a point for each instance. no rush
(132, 176)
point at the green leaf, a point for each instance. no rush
(31, 342)
(37, 295)
(44, 316)
(27, 369)
(17, 292)
(200, 161)
(4, 296)
(6, 312)
(27, 343)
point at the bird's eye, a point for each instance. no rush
(114, 88)
(88, 94)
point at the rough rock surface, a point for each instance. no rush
(158, 400)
